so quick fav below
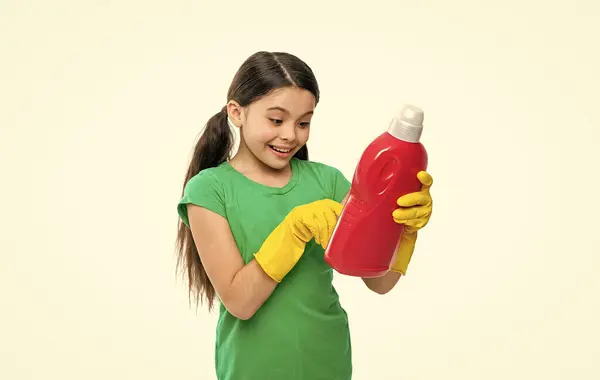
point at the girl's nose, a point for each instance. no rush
(288, 132)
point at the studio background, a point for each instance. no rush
(101, 103)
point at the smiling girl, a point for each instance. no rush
(253, 229)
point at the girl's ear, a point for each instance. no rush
(234, 114)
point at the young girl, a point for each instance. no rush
(254, 227)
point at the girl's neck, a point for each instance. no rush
(247, 164)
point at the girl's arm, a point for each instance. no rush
(383, 284)
(241, 288)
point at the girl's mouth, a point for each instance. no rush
(281, 152)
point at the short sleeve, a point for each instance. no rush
(202, 190)
(341, 185)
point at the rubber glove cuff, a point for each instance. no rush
(405, 252)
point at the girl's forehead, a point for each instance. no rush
(288, 99)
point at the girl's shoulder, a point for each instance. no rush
(212, 175)
(205, 189)
(327, 176)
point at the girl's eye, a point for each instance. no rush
(279, 122)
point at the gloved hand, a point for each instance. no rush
(414, 212)
(285, 245)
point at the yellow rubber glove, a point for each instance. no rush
(285, 245)
(414, 212)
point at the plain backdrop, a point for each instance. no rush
(101, 102)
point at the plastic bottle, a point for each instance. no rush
(365, 240)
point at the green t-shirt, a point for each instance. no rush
(301, 332)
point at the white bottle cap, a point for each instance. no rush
(408, 124)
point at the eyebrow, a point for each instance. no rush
(277, 108)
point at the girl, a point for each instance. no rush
(253, 229)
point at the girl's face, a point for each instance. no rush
(276, 126)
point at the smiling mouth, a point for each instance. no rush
(280, 150)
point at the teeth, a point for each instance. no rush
(281, 150)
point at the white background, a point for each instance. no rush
(101, 102)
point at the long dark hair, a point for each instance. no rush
(258, 75)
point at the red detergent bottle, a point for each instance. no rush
(365, 240)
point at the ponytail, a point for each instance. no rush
(212, 149)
